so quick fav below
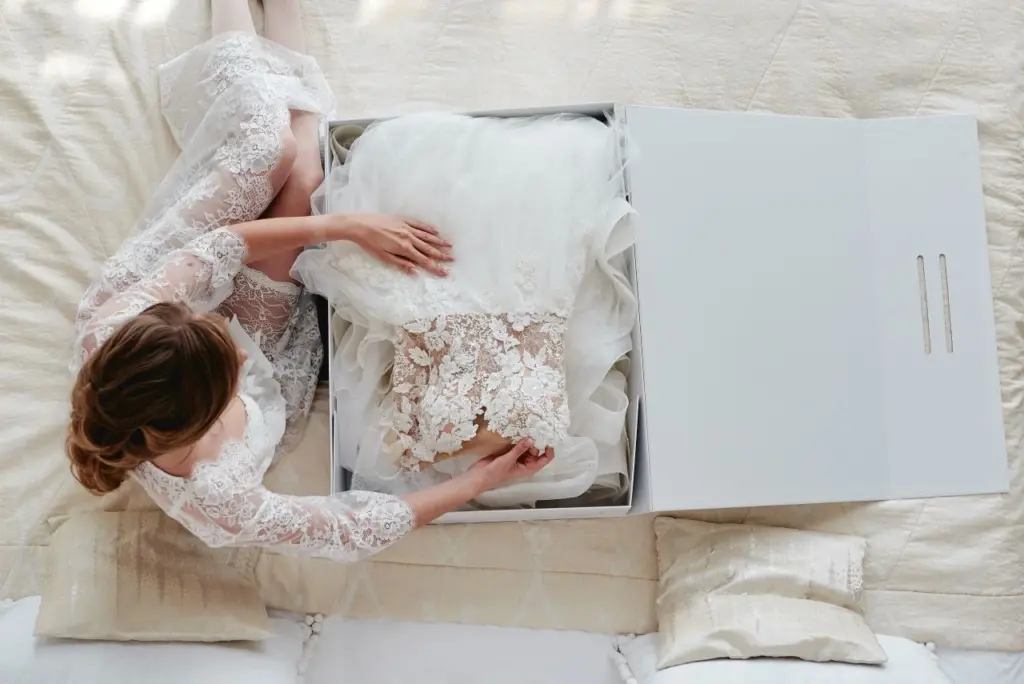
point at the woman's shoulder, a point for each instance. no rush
(229, 429)
(226, 435)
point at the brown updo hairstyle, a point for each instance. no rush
(159, 383)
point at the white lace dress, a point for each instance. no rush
(524, 331)
(227, 103)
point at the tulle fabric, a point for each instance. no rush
(536, 212)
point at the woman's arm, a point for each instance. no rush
(430, 504)
(233, 508)
(520, 462)
(403, 243)
(201, 273)
(266, 237)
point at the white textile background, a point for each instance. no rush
(82, 144)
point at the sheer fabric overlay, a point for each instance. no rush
(523, 333)
(228, 105)
(453, 369)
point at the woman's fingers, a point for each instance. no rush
(513, 454)
(419, 225)
(432, 252)
(541, 461)
(432, 239)
(401, 264)
(411, 253)
(427, 233)
(409, 259)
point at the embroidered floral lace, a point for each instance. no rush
(224, 504)
(228, 103)
(522, 333)
(454, 369)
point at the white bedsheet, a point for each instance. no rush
(386, 652)
(908, 663)
(82, 145)
(25, 659)
(982, 667)
(329, 652)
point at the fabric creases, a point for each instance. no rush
(81, 107)
(520, 339)
(746, 591)
(149, 580)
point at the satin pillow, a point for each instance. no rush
(743, 591)
(908, 663)
(140, 576)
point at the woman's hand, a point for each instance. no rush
(521, 462)
(403, 243)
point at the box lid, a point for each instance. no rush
(816, 310)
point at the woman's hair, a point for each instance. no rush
(158, 384)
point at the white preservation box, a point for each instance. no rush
(816, 320)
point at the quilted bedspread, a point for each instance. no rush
(82, 144)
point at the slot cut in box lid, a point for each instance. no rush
(815, 310)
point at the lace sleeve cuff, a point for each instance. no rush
(224, 504)
(378, 520)
(225, 252)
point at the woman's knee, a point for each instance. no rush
(294, 196)
(304, 180)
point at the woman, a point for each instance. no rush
(194, 405)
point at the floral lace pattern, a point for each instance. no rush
(229, 59)
(224, 503)
(451, 370)
(200, 274)
(228, 104)
(284, 327)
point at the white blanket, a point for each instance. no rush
(82, 145)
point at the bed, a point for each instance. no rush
(83, 144)
(319, 650)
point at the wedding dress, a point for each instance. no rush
(227, 103)
(520, 338)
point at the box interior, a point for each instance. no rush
(340, 480)
(847, 343)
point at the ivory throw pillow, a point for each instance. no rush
(908, 663)
(25, 659)
(742, 591)
(140, 576)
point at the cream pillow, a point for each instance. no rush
(140, 576)
(742, 591)
(908, 663)
(25, 659)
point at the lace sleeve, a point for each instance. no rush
(224, 504)
(199, 274)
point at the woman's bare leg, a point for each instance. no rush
(231, 15)
(283, 24)
(234, 15)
